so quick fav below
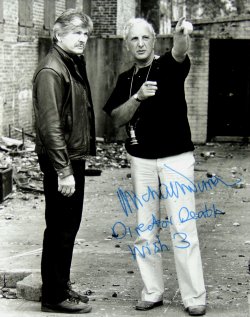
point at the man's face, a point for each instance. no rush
(75, 41)
(140, 42)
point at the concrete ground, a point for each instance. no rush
(103, 266)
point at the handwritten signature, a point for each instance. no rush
(148, 249)
(129, 200)
(180, 239)
(120, 230)
(186, 215)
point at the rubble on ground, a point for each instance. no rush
(26, 172)
(27, 176)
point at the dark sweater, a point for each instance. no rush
(161, 123)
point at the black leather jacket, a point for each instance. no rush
(65, 127)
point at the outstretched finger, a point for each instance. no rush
(179, 23)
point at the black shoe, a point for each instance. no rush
(69, 305)
(76, 295)
(145, 305)
(198, 310)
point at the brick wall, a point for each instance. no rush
(60, 6)
(197, 83)
(18, 60)
(103, 14)
(196, 88)
(10, 65)
(19, 55)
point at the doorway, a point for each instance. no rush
(229, 90)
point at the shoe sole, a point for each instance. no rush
(151, 307)
(50, 310)
(201, 313)
(197, 314)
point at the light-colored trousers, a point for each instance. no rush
(167, 175)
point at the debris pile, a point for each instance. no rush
(21, 157)
(109, 155)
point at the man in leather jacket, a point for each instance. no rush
(65, 137)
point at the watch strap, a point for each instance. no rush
(136, 98)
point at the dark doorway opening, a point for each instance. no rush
(229, 90)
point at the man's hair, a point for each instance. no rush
(69, 20)
(133, 22)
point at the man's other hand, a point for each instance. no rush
(66, 185)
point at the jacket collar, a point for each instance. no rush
(71, 61)
(64, 54)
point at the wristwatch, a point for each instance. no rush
(136, 98)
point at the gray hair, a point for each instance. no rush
(133, 22)
(69, 20)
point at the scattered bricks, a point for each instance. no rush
(30, 287)
(10, 279)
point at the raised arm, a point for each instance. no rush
(181, 39)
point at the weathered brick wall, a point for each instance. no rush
(197, 83)
(103, 14)
(196, 88)
(38, 11)
(18, 60)
(61, 6)
(19, 56)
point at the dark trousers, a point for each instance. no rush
(63, 217)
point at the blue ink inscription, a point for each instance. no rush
(120, 230)
(155, 223)
(129, 200)
(184, 240)
(163, 224)
(148, 249)
(186, 215)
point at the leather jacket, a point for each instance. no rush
(65, 126)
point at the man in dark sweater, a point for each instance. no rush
(150, 100)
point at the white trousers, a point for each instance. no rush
(171, 176)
